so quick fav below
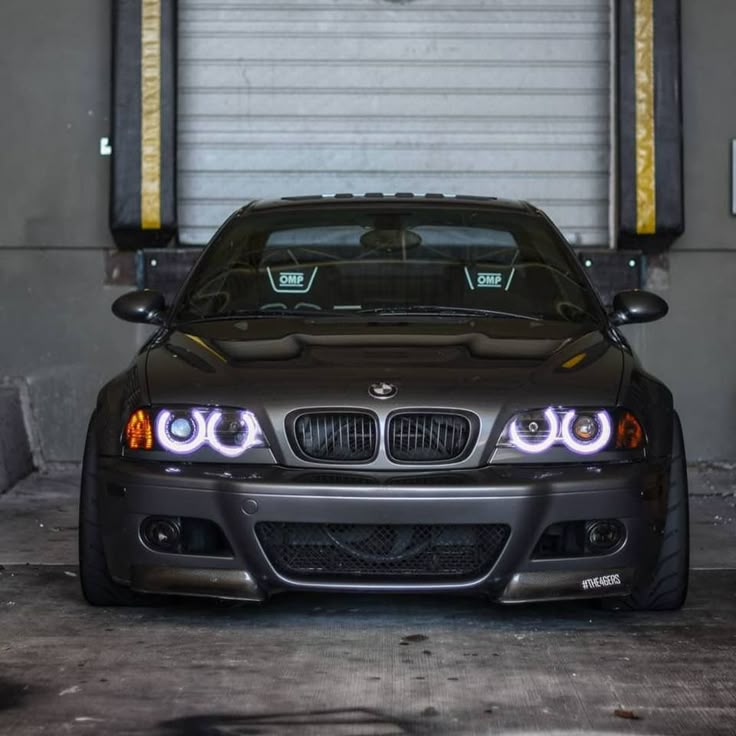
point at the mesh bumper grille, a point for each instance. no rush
(337, 436)
(417, 438)
(385, 552)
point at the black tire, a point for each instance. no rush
(666, 590)
(97, 586)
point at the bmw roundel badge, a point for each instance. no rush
(383, 390)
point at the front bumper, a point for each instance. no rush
(527, 499)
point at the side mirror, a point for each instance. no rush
(634, 306)
(140, 306)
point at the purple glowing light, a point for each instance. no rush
(252, 432)
(540, 446)
(178, 446)
(586, 448)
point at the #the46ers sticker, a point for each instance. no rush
(604, 581)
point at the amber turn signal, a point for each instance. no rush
(139, 431)
(629, 434)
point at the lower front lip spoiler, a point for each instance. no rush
(534, 587)
(197, 581)
(524, 587)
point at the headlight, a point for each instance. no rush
(181, 432)
(586, 433)
(582, 431)
(533, 433)
(232, 433)
(229, 432)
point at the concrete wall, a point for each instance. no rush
(15, 454)
(694, 348)
(56, 330)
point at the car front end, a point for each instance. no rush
(486, 531)
(383, 450)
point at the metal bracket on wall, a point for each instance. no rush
(165, 269)
(612, 271)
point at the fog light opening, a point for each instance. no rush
(161, 534)
(604, 535)
(591, 538)
(183, 535)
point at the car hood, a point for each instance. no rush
(263, 364)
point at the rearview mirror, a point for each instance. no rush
(390, 240)
(634, 306)
(140, 306)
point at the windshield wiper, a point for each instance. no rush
(256, 314)
(442, 311)
(427, 310)
(251, 313)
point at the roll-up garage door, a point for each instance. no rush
(506, 98)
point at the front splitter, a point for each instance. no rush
(534, 587)
(196, 581)
(524, 587)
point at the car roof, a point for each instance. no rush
(377, 198)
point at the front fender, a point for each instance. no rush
(116, 401)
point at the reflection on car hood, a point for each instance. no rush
(434, 363)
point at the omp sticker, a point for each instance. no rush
(486, 280)
(470, 280)
(604, 581)
(292, 282)
(289, 279)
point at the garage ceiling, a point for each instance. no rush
(489, 97)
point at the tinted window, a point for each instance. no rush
(354, 260)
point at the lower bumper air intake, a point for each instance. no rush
(382, 552)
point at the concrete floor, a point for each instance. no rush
(328, 665)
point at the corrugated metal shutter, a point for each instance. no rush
(499, 97)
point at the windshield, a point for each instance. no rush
(363, 261)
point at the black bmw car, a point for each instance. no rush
(386, 393)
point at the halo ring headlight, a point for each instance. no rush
(603, 437)
(542, 445)
(180, 447)
(251, 434)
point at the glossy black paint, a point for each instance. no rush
(634, 306)
(489, 368)
(144, 305)
(493, 368)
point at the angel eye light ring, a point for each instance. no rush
(561, 432)
(605, 431)
(205, 427)
(181, 447)
(536, 447)
(251, 434)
